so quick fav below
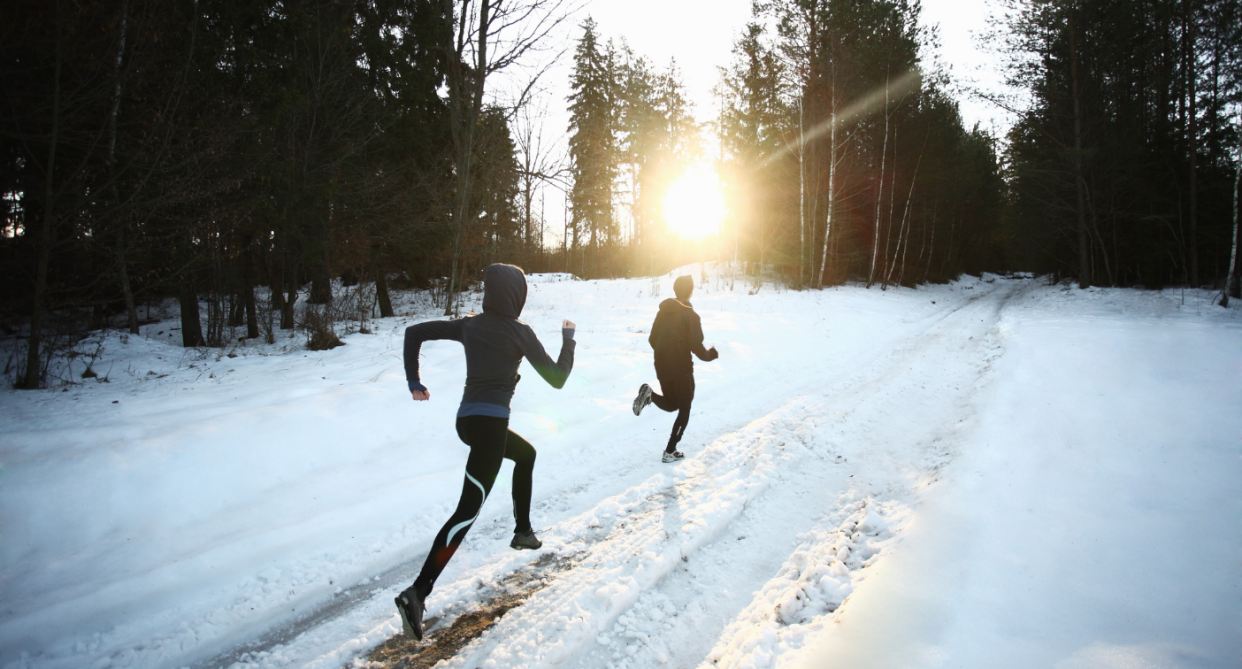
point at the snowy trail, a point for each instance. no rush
(753, 484)
(853, 456)
(658, 570)
(230, 499)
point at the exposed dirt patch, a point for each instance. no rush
(402, 652)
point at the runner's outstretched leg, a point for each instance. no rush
(486, 436)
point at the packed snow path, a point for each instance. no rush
(684, 553)
(814, 455)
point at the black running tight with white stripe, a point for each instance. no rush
(678, 387)
(490, 440)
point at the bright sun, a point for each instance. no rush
(694, 204)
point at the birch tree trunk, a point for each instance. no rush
(879, 193)
(1230, 279)
(903, 234)
(887, 268)
(802, 273)
(832, 174)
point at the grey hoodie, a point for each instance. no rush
(495, 343)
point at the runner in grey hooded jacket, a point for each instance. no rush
(495, 343)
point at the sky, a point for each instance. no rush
(659, 30)
(699, 35)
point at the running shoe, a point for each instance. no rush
(526, 540)
(643, 399)
(410, 606)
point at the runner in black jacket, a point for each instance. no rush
(675, 334)
(495, 343)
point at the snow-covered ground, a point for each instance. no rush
(995, 472)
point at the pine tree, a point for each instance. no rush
(755, 129)
(592, 144)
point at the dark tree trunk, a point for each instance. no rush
(1080, 181)
(291, 296)
(321, 286)
(126, 288)
(191, 324)
(381, 294)
(33, 370)
(131, 310)
(286, 311)
(235, 308)
(33, 375)
(278, 297)
(247, 293)
(1231, 280)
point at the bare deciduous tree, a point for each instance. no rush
(489, 36)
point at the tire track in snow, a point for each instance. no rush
(638, 537)
(635, 541)
(865, 446)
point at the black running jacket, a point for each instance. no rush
(676, 332)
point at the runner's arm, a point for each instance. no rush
(415, 335)
(694, 333)
(555, 373)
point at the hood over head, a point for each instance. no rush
(683, 286)
(504, 290)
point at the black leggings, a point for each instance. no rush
(490, 440)
(678, 395)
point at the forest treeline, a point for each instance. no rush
(201, 149)
(1123, 167)
(840, 155)
(845, 155)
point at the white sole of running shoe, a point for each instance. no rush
(643, 399)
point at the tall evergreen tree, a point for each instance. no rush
(593, 150)
(756, 129)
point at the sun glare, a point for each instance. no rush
(694, 204)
